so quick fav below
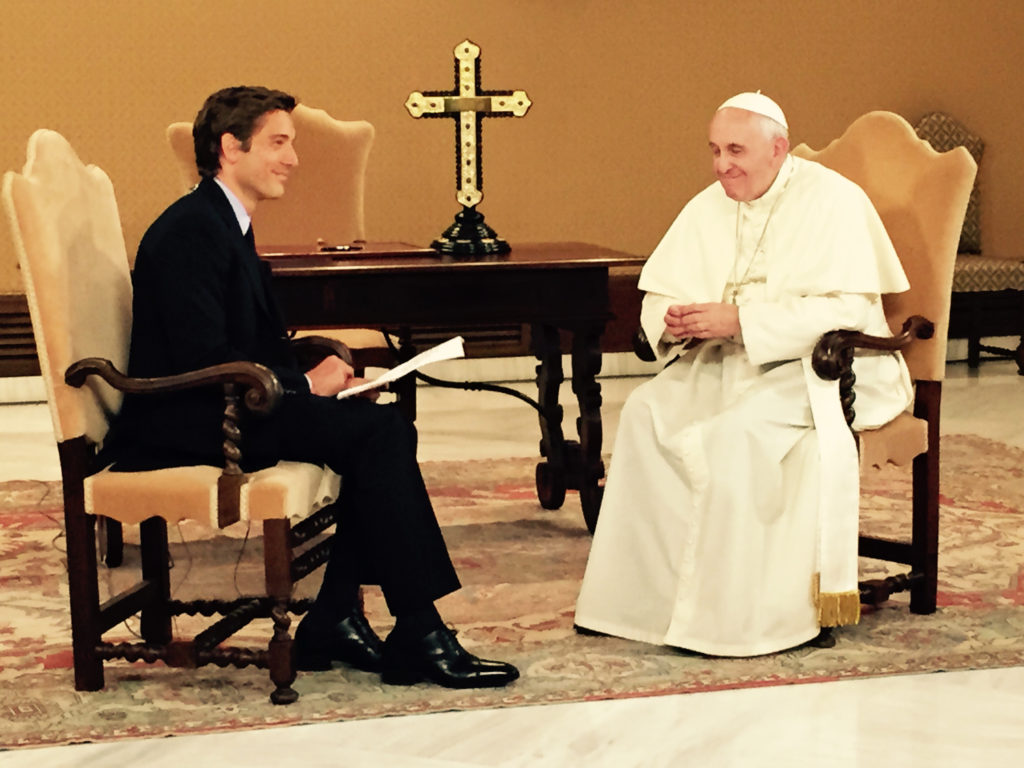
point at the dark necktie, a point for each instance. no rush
(250, 238)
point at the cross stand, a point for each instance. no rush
(468, 104)
(469, 236)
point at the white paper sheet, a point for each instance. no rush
(448, 350)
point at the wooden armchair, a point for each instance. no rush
(921, 196)
(68, 237)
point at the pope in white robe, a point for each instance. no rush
(729, 519)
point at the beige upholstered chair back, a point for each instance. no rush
(324, 198)
(67, 234)
(921, 196)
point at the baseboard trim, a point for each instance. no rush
(22, 389)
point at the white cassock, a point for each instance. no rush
(729, 519)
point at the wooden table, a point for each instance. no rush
(554, 287)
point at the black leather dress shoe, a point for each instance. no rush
(351, 641)
(825, 639)
(440, 659)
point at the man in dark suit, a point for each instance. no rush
(203, 297)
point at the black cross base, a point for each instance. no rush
(470, 236)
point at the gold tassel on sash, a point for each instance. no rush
(836, 609)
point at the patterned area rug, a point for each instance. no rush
(521, 567)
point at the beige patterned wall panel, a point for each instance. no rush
(613, 146)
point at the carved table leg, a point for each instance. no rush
(550, 474)
(586, 365)
(973, 351)
(405, 387)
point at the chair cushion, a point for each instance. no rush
(287, 490)
(897, 442)
(985, 273)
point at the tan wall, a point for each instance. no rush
(622, 91)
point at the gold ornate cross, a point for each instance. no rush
(468, 104)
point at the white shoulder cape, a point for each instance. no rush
(825, 237)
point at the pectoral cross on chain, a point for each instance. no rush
(468, 104)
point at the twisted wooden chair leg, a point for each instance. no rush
(282, 667)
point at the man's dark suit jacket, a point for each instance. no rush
(201, 297)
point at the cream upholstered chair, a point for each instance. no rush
(72, 254)
(988, 291)
(323, 204)
(921, 196)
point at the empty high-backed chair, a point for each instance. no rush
(68, 237)
(988, 291)
(921, 196)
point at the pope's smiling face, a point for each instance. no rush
(746, 157)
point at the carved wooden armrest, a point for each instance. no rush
(833, 354)
(642, 347)
(310, 350)
(262, 388)
(262, 391)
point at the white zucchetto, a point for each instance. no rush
(759, 104)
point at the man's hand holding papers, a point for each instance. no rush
(448, 350)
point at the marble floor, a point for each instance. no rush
(937, 720)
